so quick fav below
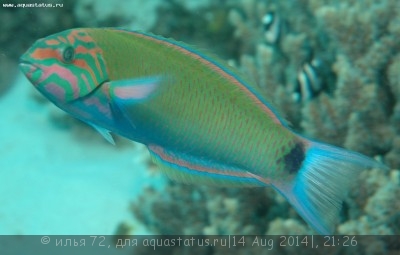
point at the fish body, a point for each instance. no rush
(201, 120)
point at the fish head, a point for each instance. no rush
(65, 66)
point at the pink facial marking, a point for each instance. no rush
(83, 38)
(52, 42)
(62, 39)
(97, 51)
(85, 80)
(64, 73)
(94, 54)
(71, 38)
(55, 90)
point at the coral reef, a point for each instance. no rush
(203, 25)
(117, 13)
(209, 211)
(356, 46)
(358, 69)
(371, 209)
(376, 205)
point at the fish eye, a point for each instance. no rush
(68, 54)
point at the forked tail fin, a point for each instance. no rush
(322, 183)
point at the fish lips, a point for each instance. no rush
(30, 70)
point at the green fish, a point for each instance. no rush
(201, 121)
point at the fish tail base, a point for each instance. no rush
(322, 183)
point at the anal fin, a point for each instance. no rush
(190, 169)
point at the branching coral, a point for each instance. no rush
(378, 201)
(356, 48)
(209, 211)
(356, 44)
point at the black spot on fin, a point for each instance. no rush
(294, 158)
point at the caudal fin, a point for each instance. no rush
(322, 183)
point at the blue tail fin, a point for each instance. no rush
(322, 183)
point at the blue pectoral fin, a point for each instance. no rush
(128, 92)
(189, 169)
(104, 133)
(133, 90)
(322, 183)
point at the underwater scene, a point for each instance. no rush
(202, 117)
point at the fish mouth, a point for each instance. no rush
(28, 69)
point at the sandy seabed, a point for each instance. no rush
(53, 184)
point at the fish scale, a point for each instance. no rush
(202, 122)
